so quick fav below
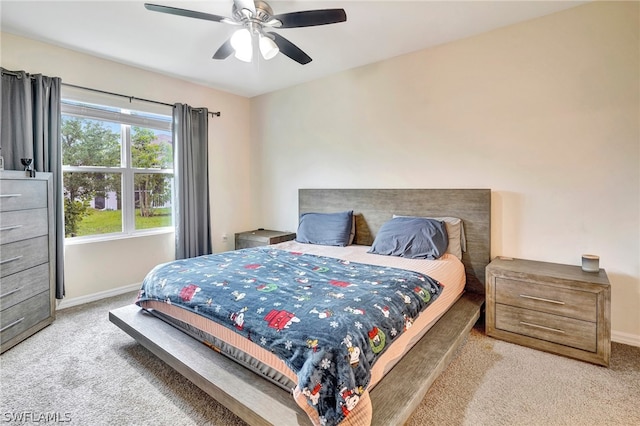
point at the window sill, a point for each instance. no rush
(111, 237)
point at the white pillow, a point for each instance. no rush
(455, 230)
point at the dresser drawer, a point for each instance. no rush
(23, 224)
(21, 255)
(552, 328)
(554, 300)
(22, 194)
(23, 285)
(24, 315)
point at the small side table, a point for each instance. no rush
(552, 307)
(262, 237)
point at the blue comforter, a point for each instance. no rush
(328, 319)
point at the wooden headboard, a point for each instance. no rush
(373, 207)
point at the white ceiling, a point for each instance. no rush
(125, 32)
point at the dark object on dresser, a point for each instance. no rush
(28, 168)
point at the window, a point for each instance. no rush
(117, 170)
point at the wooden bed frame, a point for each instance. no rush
(260, 402)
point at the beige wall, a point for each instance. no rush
(103, 267)
(545, 113)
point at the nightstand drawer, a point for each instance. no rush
(262, 237)
(554, 300)
(241, 244)
(552, 328)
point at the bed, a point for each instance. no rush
(397, 392)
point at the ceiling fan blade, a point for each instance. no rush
(310, 18)
(291, 50)
(224, 51)
(246, 4)
(183, 12)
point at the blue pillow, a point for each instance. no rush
(329, 229)
(411, 237)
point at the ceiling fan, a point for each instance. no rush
(254, 17)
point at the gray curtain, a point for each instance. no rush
(30, 128)
(190, 142)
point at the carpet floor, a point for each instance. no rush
(83, 370)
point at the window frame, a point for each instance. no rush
(123, 117)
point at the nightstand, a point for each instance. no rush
(262, 237)
(552, 307)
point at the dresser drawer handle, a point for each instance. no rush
(542, 327)
(11, 259)
(11, 292)
(6, 327)
(9, 228)
(557, 302)
(10, 195)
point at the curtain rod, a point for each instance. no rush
(131, 98)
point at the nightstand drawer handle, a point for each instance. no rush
(542, 327)
(11, 259)
(6, 327)
(11, 292)
(10, 195)
(558, 302)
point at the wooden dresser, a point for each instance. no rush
(27, 256)
(262, 237)
(552, 307)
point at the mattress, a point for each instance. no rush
(447, 270)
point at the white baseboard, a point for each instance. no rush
(81, 300)
(625, 338)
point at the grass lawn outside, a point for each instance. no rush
(109, 221)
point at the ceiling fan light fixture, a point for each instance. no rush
(242, 44)
(254, 16)
(268, 47)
